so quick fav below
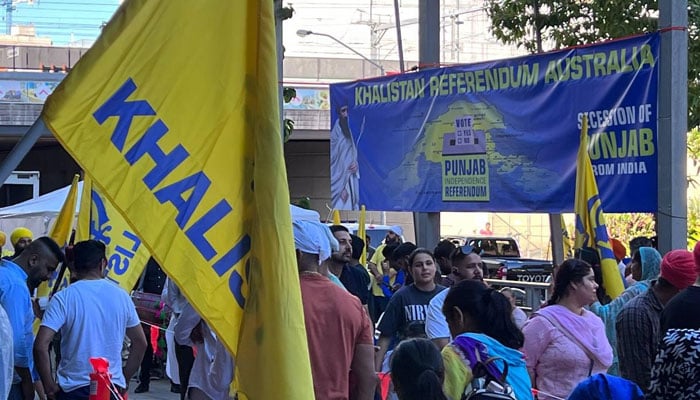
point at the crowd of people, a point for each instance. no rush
(443, 333)
(94, 318)
(412, 323)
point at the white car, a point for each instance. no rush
(377, 233)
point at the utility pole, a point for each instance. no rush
(8, 16)
(672, 212)
(428, 224)
(399, 39)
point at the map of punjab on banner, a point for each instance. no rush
(502, 135)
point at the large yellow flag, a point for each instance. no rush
(174, 114)
(590, 219)
(99, 220)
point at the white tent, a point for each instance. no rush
(299, 213)
(35, 214)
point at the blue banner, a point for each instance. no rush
(502, 135)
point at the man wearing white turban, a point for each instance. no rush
(338, 330)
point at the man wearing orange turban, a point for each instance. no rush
(681, 312)
(638, 325)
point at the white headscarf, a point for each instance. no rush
(311, 236)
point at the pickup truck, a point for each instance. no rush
(501, 258)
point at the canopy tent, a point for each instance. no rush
(299, 213)
(35, 214)
(48, 204)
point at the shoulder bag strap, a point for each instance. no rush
(572, 338)
(504, 372)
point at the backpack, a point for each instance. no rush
(486, 386)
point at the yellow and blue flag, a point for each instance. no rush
(590, 219)
(566, 240)
(98, 219)
(174, 114)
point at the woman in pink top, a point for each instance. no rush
(565, 343)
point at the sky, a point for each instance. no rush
(64, 21)
(462, 39)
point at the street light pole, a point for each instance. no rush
(304, 32)
(427, 225)
(672, 213)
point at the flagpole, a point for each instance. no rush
(22, 148)
(557, 238)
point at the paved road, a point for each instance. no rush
(159, 390)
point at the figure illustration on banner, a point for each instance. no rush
(345, 174)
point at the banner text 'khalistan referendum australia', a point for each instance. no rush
(502, 135)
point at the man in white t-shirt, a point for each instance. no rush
(93, 315)
(466, 264)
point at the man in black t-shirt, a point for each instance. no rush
(359, 273)
(355, 280)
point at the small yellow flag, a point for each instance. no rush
(361, 232)
(590, 219)
(60, 233)
(336, 217)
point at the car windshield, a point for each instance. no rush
(495, 247)
(376, 236)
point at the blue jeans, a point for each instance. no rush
(16, 392)
(82, 393)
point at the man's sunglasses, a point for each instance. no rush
(466, 250)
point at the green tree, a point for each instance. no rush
(288, 94)
(626, 227)
(542, 25)
(693, 222)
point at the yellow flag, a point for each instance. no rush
(60, 232)
(361, 233)
(82, 226)
(99, 220)
(336, 217)
(566, 240)
(590, 219)
(174, 114)
(63, 226)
